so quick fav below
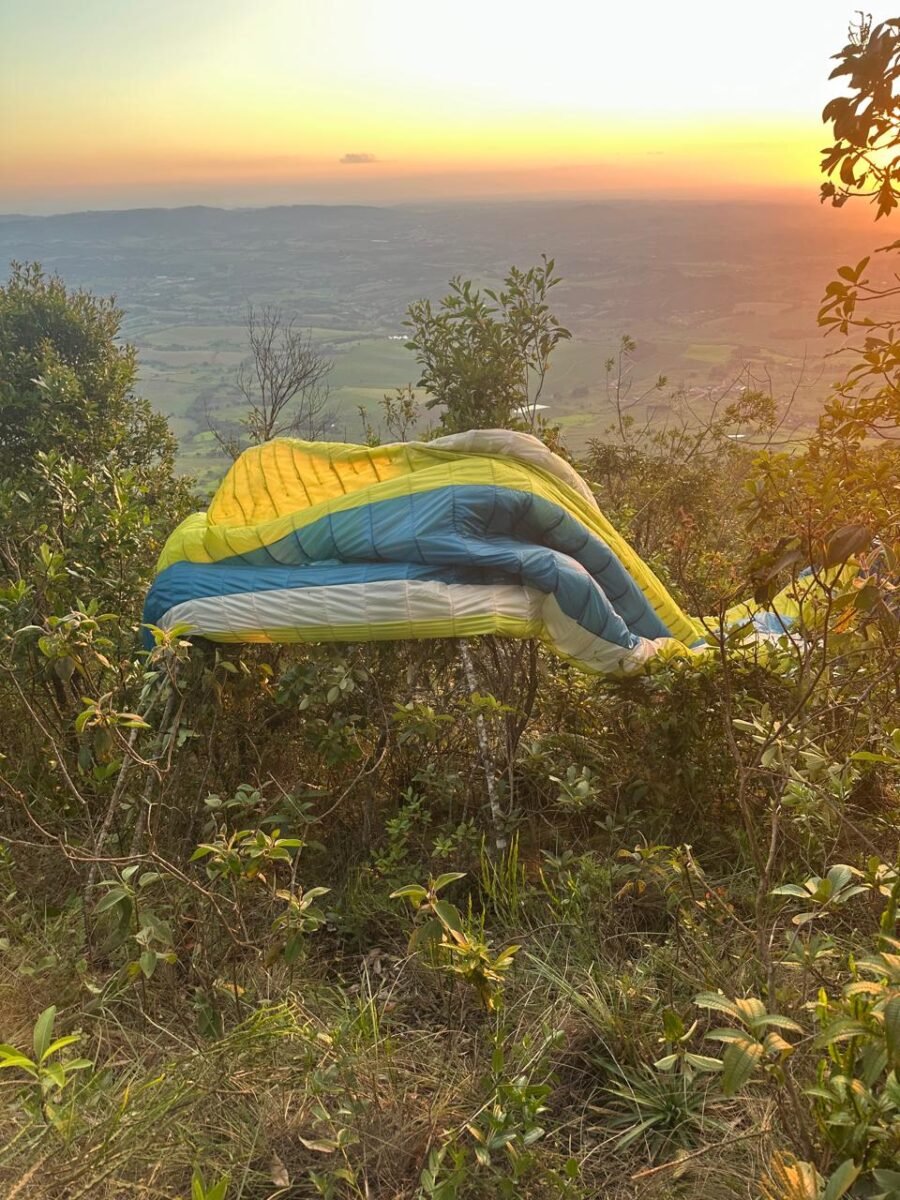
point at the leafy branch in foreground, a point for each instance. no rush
(452, 945)
(51, 1074)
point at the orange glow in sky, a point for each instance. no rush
(110, 103)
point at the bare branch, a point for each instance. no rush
(282, 383)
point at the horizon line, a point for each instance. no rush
(748, 196)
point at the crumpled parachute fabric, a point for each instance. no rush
(486, 532)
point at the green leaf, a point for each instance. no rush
(840, 1030)
(43, 1031)
(841, 1180)
(82, 719)
(215, 1191)
(703, 1062)
(448, 877)
(426, 935)
(790, 889)
(738, 1064)
(20, 1062)
(666, 1063)
(635, 1132)
(719, 1003)
(410, 891)
(482, 1155)
(68, 1040)
(752, 1009)
(776, 1044)
(320, 1145)
(778, 1022)
(839, 876)
(819, 1093)
(726, 1035)
(448, 914)
(848, 892)
(56, 1073)
(113, 897)
(844, 543)
(148, 962)
(673, 1025)
(892, 1029)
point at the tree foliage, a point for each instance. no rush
(484, 356)
(67, 383)
(866, 158)
(845, 478)
(87, 468)
(866, 124)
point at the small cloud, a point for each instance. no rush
(352, 160)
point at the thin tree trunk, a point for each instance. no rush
(487, 757)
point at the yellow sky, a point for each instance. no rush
(112, 102)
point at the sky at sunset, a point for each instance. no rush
(118, 103)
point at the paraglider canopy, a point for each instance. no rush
(485, 532)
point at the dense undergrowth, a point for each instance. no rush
(301, 1043)
(326, 921)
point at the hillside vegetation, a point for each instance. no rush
(263, 932)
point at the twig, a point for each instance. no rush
(679, 1162)
(113, 805)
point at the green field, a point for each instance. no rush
(706, 291)
(188, 372)
(708, 352)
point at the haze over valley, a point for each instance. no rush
(708, 291)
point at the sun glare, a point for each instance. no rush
(353, 98)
